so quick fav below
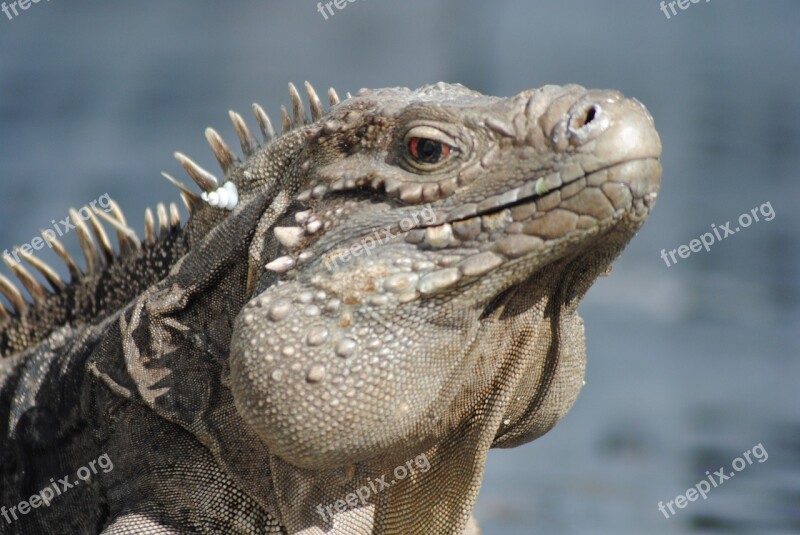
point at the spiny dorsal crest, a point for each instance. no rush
(226, 196)
(96, 246)
(99, 252)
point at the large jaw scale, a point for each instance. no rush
(350, 355)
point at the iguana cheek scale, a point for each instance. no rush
(397, 276)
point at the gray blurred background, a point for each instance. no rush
(689, 365)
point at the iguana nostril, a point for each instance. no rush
(586, 118)
(588, 121)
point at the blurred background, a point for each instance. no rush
(689, 365)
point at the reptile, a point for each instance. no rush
(347, 321)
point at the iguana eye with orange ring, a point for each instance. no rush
(427, 146)
(425, 150)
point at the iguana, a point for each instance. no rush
(349, 319)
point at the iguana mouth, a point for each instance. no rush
(517, 215)
(523, 196)
(534, 226)
(435, 234)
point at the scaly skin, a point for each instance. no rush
(400, 278)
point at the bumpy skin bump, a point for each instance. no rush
(398, 278)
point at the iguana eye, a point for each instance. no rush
(427, 146)
(427, 151)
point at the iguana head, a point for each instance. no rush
(426, 275)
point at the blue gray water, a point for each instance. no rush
(689, 365)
